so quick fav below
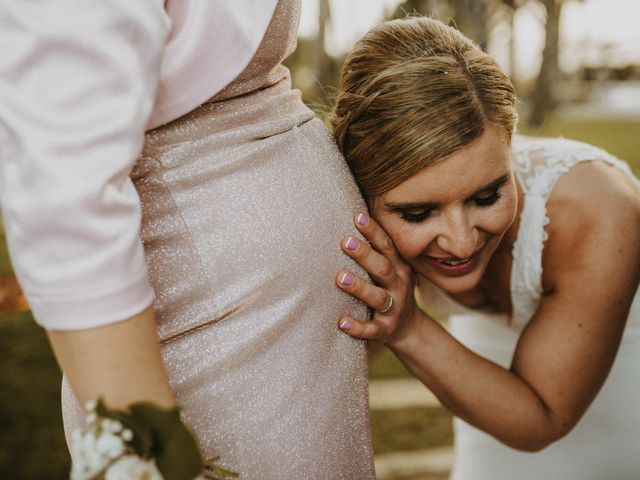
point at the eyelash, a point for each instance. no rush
(489, 200)
(415, 217)
(485, 201)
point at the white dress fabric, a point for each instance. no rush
(604, 444)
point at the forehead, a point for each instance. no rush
(460, 174)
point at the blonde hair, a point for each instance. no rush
(412, 92)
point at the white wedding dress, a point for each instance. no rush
(604, 444)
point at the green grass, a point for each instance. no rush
(619, 137)
(32, 444)
(386, 365)
(5, 264)
(410, 429)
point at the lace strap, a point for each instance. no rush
(539, 163)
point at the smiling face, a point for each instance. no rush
(448, 219)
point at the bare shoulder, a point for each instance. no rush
(594, 212)
(593, 194)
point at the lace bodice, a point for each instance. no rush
(538, 164)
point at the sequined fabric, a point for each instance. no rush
(245, 201)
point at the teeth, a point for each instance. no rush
(455, 262)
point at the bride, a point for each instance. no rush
(530, 247)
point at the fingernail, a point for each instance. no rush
(345, 325)
(351, 244)
(362, 220)
(346, 280)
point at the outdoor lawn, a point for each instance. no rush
(32, 444)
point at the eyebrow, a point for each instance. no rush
(494, 185)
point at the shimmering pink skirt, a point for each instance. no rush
(244, 205)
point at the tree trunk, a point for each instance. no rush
(323, 67)
(543, 98)
(513, 60)
(472, 18)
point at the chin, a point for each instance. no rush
(455, 286)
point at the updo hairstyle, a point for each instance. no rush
(412, 92)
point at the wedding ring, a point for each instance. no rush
(388, 304)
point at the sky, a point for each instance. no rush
(585, 28)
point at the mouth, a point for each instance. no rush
(454, 265)
(453, 262)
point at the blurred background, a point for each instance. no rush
(576, 67)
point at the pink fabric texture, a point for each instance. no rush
(79, 86)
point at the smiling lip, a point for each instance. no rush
(457, 269)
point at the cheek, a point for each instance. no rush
(410, 239)
(497, 219)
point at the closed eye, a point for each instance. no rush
(416, 212)
(490, 194)
(487, 199)
(415, 216)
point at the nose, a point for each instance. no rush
(459, 236)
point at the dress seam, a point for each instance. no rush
(188, 237)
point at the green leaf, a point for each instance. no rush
(143, 435)
(175, 449)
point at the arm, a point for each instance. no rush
(76, 88)
(567, 349)
(120, 362)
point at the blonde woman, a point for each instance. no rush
(530, 247)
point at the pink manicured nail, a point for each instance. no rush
(363, 220)
(351, 244)
(346, 280)
(346, 325)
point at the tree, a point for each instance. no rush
(472, 18)
(543, 99)
(324, 63)
(314, 71)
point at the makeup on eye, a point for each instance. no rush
(491, 193)
(487, 198)
(416, 212)
(416, 216)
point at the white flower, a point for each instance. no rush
(91, 418)
(92, 454)
(131, 467)
(110, 445)
(88, 460)
(112, 426)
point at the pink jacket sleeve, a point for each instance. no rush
(77, 87)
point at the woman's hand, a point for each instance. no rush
(391, 297)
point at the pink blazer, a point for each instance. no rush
(80, 83)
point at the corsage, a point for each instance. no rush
(146, 442)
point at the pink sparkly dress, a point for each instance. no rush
(245, 200)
